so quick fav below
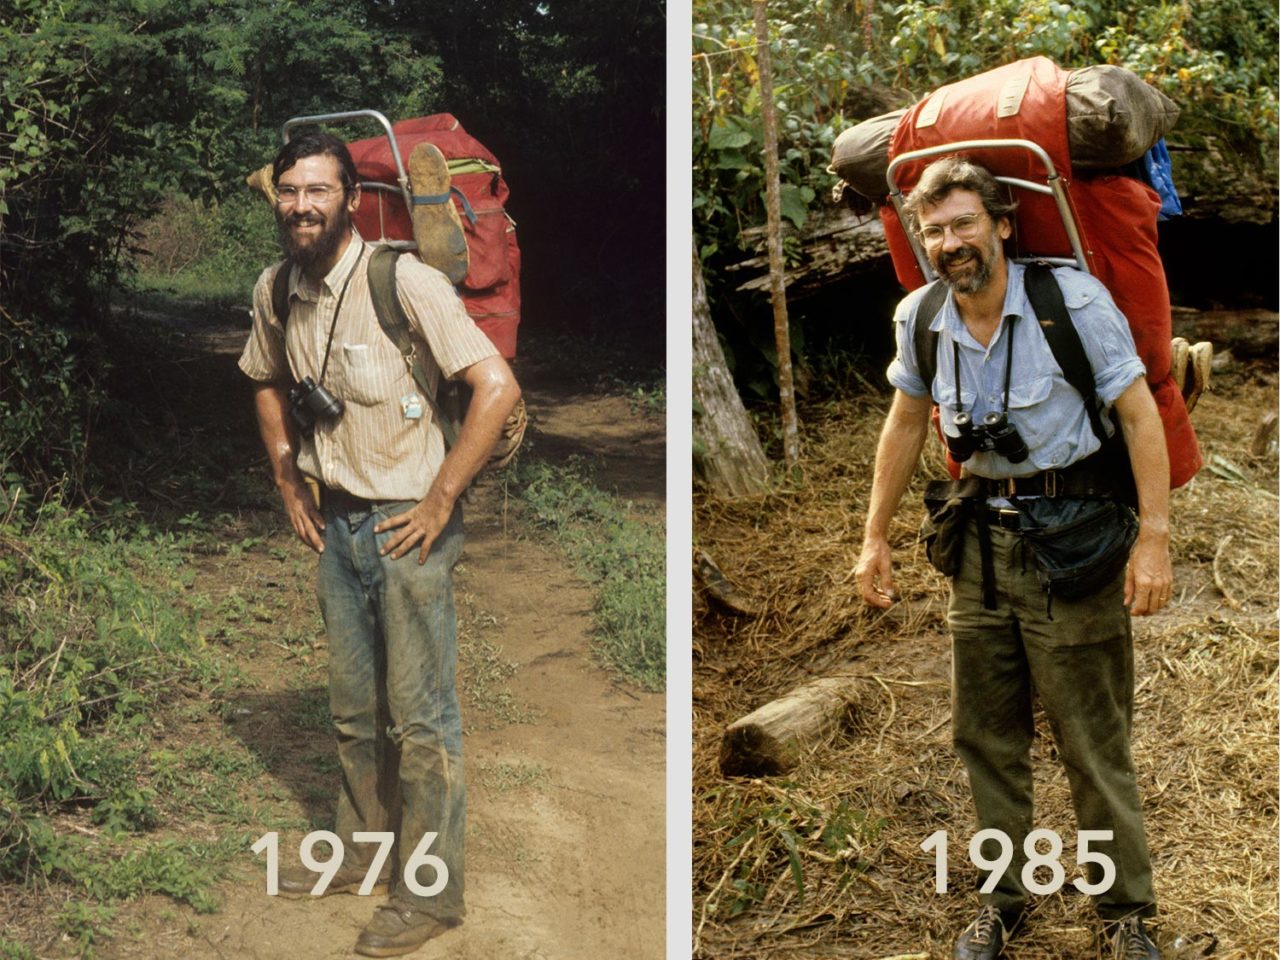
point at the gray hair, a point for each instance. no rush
(943, 176)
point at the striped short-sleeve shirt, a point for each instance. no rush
(386, 444)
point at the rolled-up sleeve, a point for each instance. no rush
(904, 371)
(1104, 333)
(264, 358)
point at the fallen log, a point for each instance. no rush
(772, 739)
(834, 239)
(1247, 333)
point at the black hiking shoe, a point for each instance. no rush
(985, 938)
(1129, 940)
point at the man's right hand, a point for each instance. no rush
(874, 573)
(271, 403)
(300, 506)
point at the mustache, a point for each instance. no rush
(302, 219)
(946, 259)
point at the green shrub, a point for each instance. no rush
(93, 636)
(207, 250)
(836, 62)
(49, 401)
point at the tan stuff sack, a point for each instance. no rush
(860, 155)
(1113, 118)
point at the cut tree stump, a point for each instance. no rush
(1264, 437)
(771, 740)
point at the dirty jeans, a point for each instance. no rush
(1080, 665)
(392, 655)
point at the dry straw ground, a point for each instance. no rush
(826, 862)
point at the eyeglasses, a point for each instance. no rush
(963, 228)
(316, 193)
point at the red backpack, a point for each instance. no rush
(490, 291)
(1116, 215)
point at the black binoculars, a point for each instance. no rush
(309, 402)
(994, 434)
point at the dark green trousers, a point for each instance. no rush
(1080, 665)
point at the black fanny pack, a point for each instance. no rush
(1079, 545)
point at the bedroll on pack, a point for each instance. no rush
(1114, 216)
(490, 291)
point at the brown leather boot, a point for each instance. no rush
(296, 881)
(399, 926)
(437, 228)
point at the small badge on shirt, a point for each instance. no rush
(411, 403)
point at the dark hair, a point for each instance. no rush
(315, 144)
(957, 173)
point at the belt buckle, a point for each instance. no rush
(1008, 518)
(1051, 483)
(1006, 486)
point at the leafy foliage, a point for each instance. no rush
(215, 250)
(840, 61)
(95, 636)
(107, 106)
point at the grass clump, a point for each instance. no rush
(94, 638)
(618, 550)
(485, 669)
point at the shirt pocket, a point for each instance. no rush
(367, 379)
(1029, 411)
(944, 395)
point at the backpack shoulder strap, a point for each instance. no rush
(386, 303)
(280, 292)
(924, 339)
(1059, 330)
(395, 324)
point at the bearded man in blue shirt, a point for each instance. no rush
(1033, 464)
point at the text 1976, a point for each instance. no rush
(326, 868)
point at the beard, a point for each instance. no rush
(976, 266)
(312, 247)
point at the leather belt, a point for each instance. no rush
(1051, 483)
(348, 502)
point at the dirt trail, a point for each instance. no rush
(565, 763)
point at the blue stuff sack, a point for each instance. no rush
(1157, 170)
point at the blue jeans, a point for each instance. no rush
(393, 652)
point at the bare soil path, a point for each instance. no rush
(565, 761)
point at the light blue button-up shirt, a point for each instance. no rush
(1047, 411)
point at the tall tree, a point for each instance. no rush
(773, 205)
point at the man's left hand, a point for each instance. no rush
(420, 525)
(1148, 580)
